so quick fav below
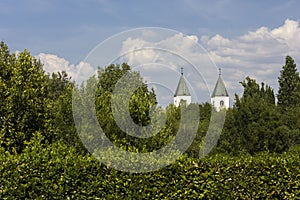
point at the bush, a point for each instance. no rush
(56, 171)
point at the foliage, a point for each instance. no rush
(56, 171)
(254, 124)
(141, 102)
(32, 101)
(289, 98)
(42, 157)
(59, 90)
(23, 99)
(205, 110)
(289, 85)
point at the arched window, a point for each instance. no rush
(221, 103)
(183, 103)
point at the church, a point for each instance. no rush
(219, 98)
(182, 95)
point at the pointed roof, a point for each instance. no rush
(182, 88)
(220, 89)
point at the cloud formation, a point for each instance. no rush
(160, 59)
(53, 63)
(259, 54)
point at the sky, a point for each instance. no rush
(244, 38)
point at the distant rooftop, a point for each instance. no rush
(182, 89)
(220, 89)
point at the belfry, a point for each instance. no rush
(182, 95)
(220, 98)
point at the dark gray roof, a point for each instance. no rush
(220, 89)
(182, 89)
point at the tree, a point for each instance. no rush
(253, 124)
(204, 122)
(57, 84)
(141, 103)
(59, 90)
(289, 98)
(23, 99)
(289, 85)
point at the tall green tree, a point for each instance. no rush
(59, 90)
(253, 124)
(289, 85)
(289, 98)
(23, 99)
(205, 110)
(141, 103)
(57, 84)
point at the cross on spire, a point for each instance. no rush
(220, 72)
(181, 70)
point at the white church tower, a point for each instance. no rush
(220, 97)
(182, 95)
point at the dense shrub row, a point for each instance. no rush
(57, 172)
(42, 157)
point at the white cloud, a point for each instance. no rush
(259, 54)
(217, 40)
(139, 51)
(53, 63)
(289, 34)
(161, 58)
(136, 53)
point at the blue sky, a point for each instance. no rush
(68, 30)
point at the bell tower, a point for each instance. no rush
(220, 97)
(182, 95)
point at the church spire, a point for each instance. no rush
(220, 97)
(220, 89)
(182, 88)
(182, 94)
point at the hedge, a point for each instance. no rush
(57, 171)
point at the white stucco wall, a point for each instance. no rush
(215, 101)
(177, 100)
